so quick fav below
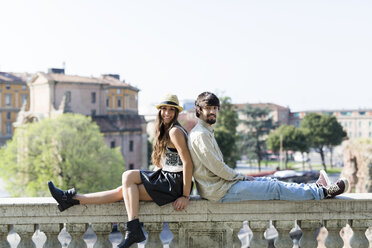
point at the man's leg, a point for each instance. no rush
(272, 189)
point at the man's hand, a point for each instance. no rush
(249, 178)
(181, 203)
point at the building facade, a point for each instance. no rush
(14, 93)
(112, 104)
(357, 123)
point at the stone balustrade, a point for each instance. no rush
(203, 224)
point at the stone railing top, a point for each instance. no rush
(44, 210)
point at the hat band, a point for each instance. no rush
(169, 103)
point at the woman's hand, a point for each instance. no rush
(181, 203)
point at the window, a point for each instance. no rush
(131, 166)
(119, 91)
(24, 99)
(7, 87)
(362, 113)
(68, 96)
(119, 102)
(93, 112)
(346, 113)
(370, 134)
(93, 97)
(24, 87)
(131, 146)
(360, 124)
(8, 99)
(8, 128)
(350, 134)
(112, 144)
(360, 134)
(8, 115)
(107, 91)
(107, 102)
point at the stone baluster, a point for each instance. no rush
(102, 230)
(51, 232)
(4, 231)
(174, 227)
(283, 228)
(308, 228)
(334, 239)
(359, 239)
(26, 232)
(77, 230)
(258, 228)
(236, 227)
(153, 230)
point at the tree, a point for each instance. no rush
(293, 139)
(68, 150)
(258, 124)
(225, 131)
(323, 131)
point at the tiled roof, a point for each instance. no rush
(11, 77)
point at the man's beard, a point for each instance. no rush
(211, 121)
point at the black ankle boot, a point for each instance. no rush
(64, 198)
(133, 234)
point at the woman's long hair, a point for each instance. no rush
(161, 137)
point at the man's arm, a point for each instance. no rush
(209, 156)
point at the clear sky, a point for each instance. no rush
(306, 55)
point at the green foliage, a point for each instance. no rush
(225, 131)
(68, 150)
(293, 139)
(258, 124)
(322, 131)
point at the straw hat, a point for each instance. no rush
(171, 101)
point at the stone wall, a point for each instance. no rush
(357, 160)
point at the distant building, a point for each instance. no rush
(111, 103)
(278, 114)
(13, 94)
(357, 123)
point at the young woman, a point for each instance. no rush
(171, 182)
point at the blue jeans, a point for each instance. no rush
(265, 188)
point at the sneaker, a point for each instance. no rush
(336, 188)
(323, 180)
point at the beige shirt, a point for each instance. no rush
(212, 176)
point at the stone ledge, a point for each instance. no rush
(44, 210)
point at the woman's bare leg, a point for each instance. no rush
(133, 192)
(103, 197)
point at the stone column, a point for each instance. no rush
(77, 232)
(153, 230)
(359, 239)
(51, 232)
(174, 227)
(308, 228)
(258, 228)
(334, 239)
(283, 228)
(25, 232)
(4, 231)
(102, 230)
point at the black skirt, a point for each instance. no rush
(163, 186)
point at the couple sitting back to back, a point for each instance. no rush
(179, 156)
